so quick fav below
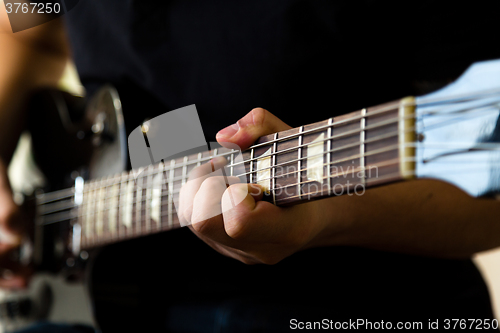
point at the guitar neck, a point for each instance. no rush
(341, 155)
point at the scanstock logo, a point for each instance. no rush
(25, 14)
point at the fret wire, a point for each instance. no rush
(109, 200)
(299, 154)
(184, 171)
(144, 204)
(171, 192)
(123, 208)
(105, 213)
(114, 212)
(273, 169)
(328, 150)
(362, 141)
(232, 164)
(101, 202)
(251, 165)
(94, 211)
(131, 197)
(118, 203)
(111, 210)
(90, 220)
(198, 162)
(138, 207)
(111, 190)
(161, 168)
(149, 190)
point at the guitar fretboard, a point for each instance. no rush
(338, 156)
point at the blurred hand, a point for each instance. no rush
(231, 217)
(12, 274)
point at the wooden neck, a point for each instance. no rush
(341, 155)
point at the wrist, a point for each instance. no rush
(332, 220)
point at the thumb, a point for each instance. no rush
(245, 131)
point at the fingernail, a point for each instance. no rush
(228, 131)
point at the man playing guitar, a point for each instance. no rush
(426, 224)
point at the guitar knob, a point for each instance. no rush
(101, 131)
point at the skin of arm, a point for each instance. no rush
(421, 217)
(29, 59)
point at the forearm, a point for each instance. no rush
(29, 59)
(422, 217)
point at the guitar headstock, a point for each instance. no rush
(459, 131)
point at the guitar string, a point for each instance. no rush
(426, 101)
(123, 190)
(192, 162)
(127, 178)
(158, 226)
(384, 136)
(485, 146)
(302, 194)
(307, 194)
(49, 208)
(480, 147)
(61, 218)
(151, 170)
(105, 236)
(83, 212)
(62, 194)
(389, 176)
(288, 162)
(352, 119)
(334, 137)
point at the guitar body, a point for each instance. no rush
(91, 140)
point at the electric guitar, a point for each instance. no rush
(452, 135)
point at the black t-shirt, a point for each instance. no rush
(304, 61)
